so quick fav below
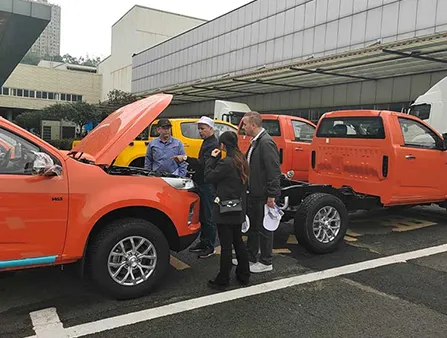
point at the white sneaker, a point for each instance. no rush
(259, 268)
(234, 261)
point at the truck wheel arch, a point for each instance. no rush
(155, 216)
(137, 162)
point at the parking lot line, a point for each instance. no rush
(292, 240)
(178, 264)
(218, 298)
(46, 324)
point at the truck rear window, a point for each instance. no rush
(352, 127)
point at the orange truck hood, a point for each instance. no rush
(114, 133)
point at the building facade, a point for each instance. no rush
(138, 29)
(36, 87)
(302, 57)
(49, 42)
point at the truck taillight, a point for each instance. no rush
(314, 156)
(385, 166)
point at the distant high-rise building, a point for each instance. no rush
(49, 42)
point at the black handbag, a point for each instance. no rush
(228, 206)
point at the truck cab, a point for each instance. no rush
(231, 112)
(432, 106)
(293, 136)
(118, 223)
(364, 160)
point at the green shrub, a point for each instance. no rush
(62, 144)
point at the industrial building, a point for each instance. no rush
(138, 29)
(36, 87)
(301, 57)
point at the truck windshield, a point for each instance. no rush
(421, 110)
(236, 117)
(368, 127)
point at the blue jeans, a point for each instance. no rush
(208, 226)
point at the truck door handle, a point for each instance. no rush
(299, 149)
(185, 144)
(410, 157)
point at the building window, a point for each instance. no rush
(26, 93)
(39, 95)
(63, 97)
(5, 91)
(51, 96)
(32, 93)
(68, 97)
(44, 95)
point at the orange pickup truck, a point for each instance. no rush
(120, 223)
(362, 160)
(293, 136)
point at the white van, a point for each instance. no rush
(432, 106)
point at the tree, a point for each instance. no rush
(78, 112)
(115, 100)
(29, 120)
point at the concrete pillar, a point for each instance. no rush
(9, 115)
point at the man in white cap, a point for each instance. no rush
(205, 248)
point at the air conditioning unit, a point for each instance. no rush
(55, 130)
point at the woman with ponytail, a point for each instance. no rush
(230, 177)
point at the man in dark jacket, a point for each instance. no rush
(205, 247)
(263, 188)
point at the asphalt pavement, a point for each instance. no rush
(405, 298)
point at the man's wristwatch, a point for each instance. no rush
(185, 158)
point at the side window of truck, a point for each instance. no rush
(272, 127)
(417, 135)
(304, 132)
(16, 154)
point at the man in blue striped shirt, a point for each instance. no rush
(160, 151)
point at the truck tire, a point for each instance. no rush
(129, 258)
(326, 235)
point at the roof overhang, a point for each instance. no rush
(380, 61)
(21, 23)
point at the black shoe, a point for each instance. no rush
(199, 247)
(208, 252)
(216, 286)
(243, 282)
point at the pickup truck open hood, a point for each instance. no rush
(115, 132)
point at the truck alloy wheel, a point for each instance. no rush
(132, 261)
(321, 223)
(129, 257)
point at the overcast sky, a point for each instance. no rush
(87, 24)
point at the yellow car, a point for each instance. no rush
(183, 129)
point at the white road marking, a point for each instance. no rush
(218, 298)
(46, 324)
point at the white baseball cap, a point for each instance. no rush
(206, 120)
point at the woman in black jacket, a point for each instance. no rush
(230, 176)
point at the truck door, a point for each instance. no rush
(275, 130)
(303, 134)
(33, 208)
(421, 163)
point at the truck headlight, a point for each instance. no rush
(179, 182)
